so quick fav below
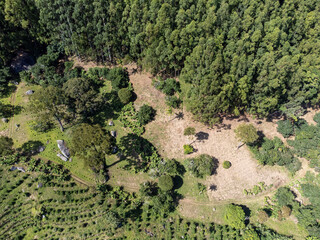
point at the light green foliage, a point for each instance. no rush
(201, 166)
(247, 133)
(187, 149)
(165, 183)
(250, 234)
(235, 216)
(129, 118)
(146, 114)
(256, 189)
(125, 95)
(226, 164)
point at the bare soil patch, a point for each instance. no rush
(166, 133)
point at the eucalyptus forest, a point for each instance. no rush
(160, 119)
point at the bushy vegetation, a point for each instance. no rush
(165, 183)
(201, 166)
(146, 114)
(285, 127)
(119, 78)
(187, 149)
(226, 164)
(129, 118)
(235, 216)
(247, 133)
(274, 152)
(125, 95)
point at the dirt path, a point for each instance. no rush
(12, 102)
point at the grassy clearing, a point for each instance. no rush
(287, 227)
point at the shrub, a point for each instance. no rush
(226, 164)
(6, 145)
(189, 131)
(202, 165)
(286, 211)
(119, 78)
(146, 114)
(262, 216)
(170, 86)
(285, 127)
(165, 183)
(173, 101)
(247, 133)
(187, 149)
(235, 216)
(284, 196)
(125, 95)
(316, 118)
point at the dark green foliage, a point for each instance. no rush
(202, 165)
(284, 196)
(285, 127)
(125, 95)
(119, 78)
(173, 101)
(312, 192)
(226, 164)
(235, 216)
(307, 216)
(274, 152)
(140, 154)
(82, 96)
(146, 114)
(169, 166)
(307, 144)
(91, 143)
(44, 71)
(4, 79)
(6, 145)
(169, 86)
(165, 183)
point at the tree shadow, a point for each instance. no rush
(213, 187)
(8, 110)
(31, 148)
(247, 212)
(216, 165)
(201, 136)
(179, 116)
(177, 182)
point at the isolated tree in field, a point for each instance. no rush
(6, 145)
(146, 114)
(247, 133)
(235, 216)
(125, 95)
(202, 165)
(83, 96)
(50, 102)
(165, 183)
(91, 143)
